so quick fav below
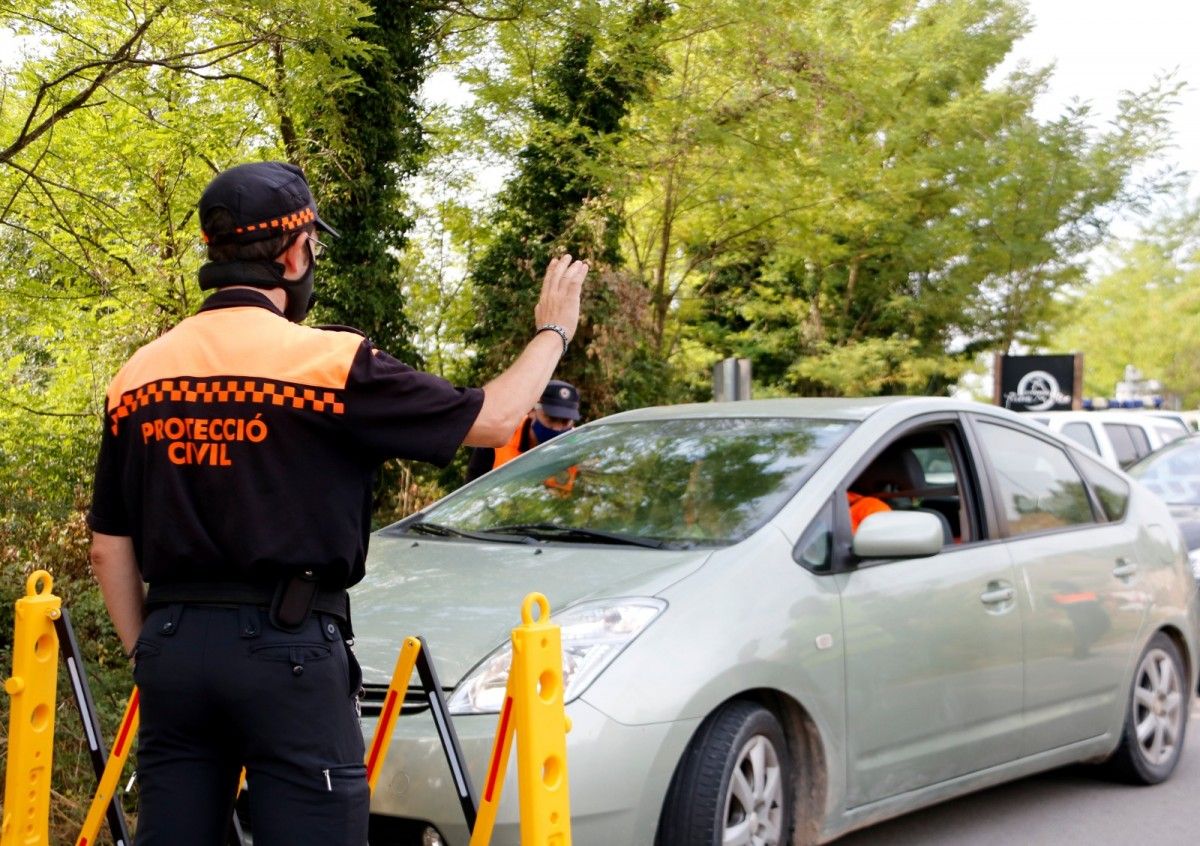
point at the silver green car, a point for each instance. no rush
(749, 659)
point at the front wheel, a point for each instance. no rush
(1156, 716)
(733, 785)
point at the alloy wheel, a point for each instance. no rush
(754, 802)
(1158, 707)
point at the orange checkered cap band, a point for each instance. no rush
(274, 226)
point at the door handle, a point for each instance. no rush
(1124, 568)
(994, 597)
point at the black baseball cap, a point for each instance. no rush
(560, 399)
(265, 199)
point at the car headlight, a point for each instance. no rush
(593, 634)
(1194, 560)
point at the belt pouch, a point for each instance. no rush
(293, 601)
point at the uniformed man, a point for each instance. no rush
(556, 412)
(234, 477)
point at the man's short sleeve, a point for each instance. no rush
(107, 514)
(395, 411)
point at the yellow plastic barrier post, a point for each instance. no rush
(540, 722)
(489, 802)
(32, 688)
(112, 772)
(533, 711)
(381, 741)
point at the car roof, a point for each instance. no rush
(828, 408)
(1123, 415)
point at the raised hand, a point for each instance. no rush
(561, 289)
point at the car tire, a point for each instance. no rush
(733, 784)
(1156, 714)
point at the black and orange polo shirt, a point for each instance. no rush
(242, 447)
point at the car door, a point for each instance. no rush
(933, 645)
(1078, 572)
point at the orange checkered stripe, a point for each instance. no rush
(287, 223)
(258, 391)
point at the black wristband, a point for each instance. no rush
(558, 330)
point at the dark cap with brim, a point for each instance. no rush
(265, 199)
(560, 399)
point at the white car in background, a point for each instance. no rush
(1119, 437)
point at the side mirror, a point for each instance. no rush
(898, 534)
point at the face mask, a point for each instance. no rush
(300, 297)
(544, 433)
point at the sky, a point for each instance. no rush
(1102, 47)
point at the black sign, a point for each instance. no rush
(1037, 382)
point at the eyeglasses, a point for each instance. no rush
(316, 247)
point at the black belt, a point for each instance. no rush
(290, 601)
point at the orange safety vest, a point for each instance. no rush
(511, 449)
(862, 507)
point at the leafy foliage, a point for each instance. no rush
(560, 200)
(1153, 281)
(379, 144)
(854, 179)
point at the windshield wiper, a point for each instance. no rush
(450, 532)
(551, 531)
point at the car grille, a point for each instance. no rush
(416, 700)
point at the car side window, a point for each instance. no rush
(920, 471)
(1169, 433)
(1110, 489)
(1129, 442)
(815, 550)
(1039, 488)
(1083, 435)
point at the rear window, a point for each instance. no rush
(1038, 487)
(1082, 434)
(1170, 433)
(1172, 473)
(1129, 442)
(1110, 489)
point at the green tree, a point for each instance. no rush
(109, 129)
(379, 145)
(1149, 292)
(111, 123)
(820, 176)
(559, 199)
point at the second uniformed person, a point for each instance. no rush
(555, 413)
(234, 478)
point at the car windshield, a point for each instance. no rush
(1173, 472)
(664, 483)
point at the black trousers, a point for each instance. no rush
(221, 689)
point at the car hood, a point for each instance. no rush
(465, 598)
